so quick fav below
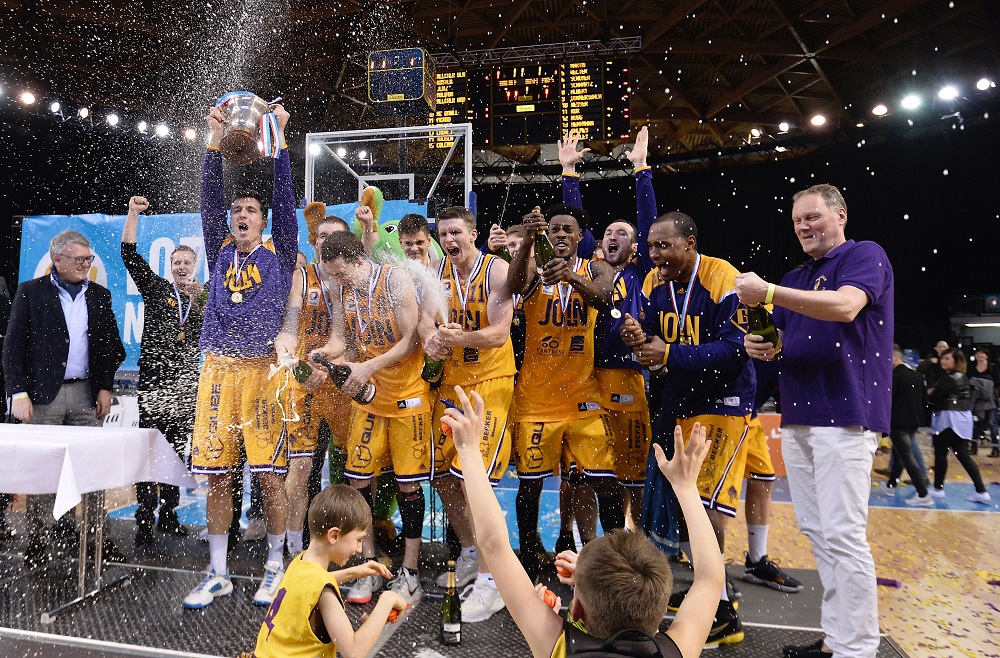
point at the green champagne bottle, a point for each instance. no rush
(544, 251)
(761, 323)
(432, 369)
(504, 253)
(451, 610)
(339, 374)
(301, 371)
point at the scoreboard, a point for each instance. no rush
(536, 103)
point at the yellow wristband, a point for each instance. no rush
(770, 293)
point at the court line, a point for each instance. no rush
(87, 643)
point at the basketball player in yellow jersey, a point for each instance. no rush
(316, 402)
(557, 410)
(480, 357)
(377, 308)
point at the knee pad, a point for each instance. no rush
(411, 509)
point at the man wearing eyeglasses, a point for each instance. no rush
(60, 355)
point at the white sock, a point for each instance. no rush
(217, 546)
(756, 542)
(725, 592)
(469, 551)
(686, 548)
(275, 547)
(486, 579)
(294, 540)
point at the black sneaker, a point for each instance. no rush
(170, 525)
(726, 629)
(677, 598)
(768, 573)
(814, 650)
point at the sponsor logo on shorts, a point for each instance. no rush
(588, 406)
(410, 403)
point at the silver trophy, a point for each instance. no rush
(243, 126)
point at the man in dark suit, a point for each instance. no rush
(60, 355)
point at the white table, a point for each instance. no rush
(74, 461)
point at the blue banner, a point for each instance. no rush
(158, 236)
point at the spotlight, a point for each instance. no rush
(880, 110)
(162, 130)
(859, 124)
(818, 120)
(314, 150)
(984, 84)
(27, 98)
(142, 126)
(83, 112)
(755, 133)
(784, 127)
(54, 107)
(112, 119)
(911, 102)
(342, 152)
(362, 154)
(190, 134)
(948, 93)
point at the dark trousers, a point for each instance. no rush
(151, 495)
(948, 440)
(902, 453)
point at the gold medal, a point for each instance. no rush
(685, 339)
(516, 321)
(180, 336)
(615, 313)
(237, 297)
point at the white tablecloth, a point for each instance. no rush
(72, 461)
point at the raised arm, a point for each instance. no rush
(136, 265)
(214, 226)
(522, 270)
(645, 199)
(284, 223)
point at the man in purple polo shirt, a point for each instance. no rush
(835, 314)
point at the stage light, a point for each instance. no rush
(984, 84)
(142, 126)
(342, 152)
(190, 134)
(948, 93)
(911, 102)
(54, 107)
(27, 98)
(315, 150)
(362, 155)
(83, 112)
(880, 110)
(112, 119)
(755, 133)
(162, 130)
(859, 124)
(784, 126)
(818, 120)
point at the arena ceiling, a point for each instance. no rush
(707, 71)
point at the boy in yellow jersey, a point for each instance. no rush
(307, 616)
(622, 581)
(480, 357)
(558, 420)
(377, 309)
(316, 405)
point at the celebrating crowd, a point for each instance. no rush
(447, 371)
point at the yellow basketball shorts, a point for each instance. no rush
(632, 431)
(721, 476)
(758, 466)
(495, 444)
(236, 406)
(374, 442)
(586, 444)
(307, 411)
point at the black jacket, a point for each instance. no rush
(908, 398)
(37, 342)
(951, 393)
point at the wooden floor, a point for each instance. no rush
(944, 608)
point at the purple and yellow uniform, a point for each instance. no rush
(488, 371)
(326, 403)
(557, 409)
(708, 375)
(246, 302)
(397, 422)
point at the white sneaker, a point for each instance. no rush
(203, 535)
(983, 497)
(255, 530)
(274, 571)
(481, 602)
(211, 586)
(920, 501)
(362, 589)
(466, 570)
(935, 493)
(407, 584)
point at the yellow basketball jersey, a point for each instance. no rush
(286, 631)
(557, 379)
(373, 329)
(314, 318)
(467, 306)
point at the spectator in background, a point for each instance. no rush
(951, 423)
(907, 415)
(930, 367)
(984, 379)
(6, 532)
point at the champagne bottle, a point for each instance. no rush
(301, 371)
(433, 368)
(504, 253)
(761, 323)
(339, 374)
(451, 610)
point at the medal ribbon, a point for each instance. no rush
(325, 291)
(463, 293)
(362, 326)
(182, 317)
(239, 266)
(682, 313)
(564, 299)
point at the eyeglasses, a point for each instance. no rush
(80, 260)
